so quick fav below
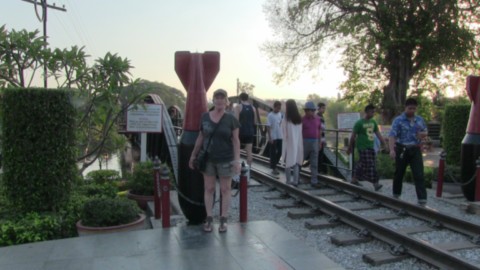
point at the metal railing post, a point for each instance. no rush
(477, 183)
(165, 188)
(441, 173)
(243, 194)
(156, 183)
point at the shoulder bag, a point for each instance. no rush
(202, 156)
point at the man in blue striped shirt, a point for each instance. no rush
(404, 141)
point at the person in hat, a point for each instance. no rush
(218, 136)
(312, 139)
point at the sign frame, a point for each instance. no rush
(346, 121)
(145, 118)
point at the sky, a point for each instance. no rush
(149, 32)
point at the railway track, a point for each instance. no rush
(336, 202)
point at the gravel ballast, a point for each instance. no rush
(350, 257)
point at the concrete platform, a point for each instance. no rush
(253, 245)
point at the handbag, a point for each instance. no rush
(202, 155)
(201, 160)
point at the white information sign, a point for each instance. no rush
(347, 120)
(145, 118)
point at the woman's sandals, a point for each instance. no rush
(207, 226)
(223, 225)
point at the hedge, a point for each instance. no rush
(38, 148)
(454, 128)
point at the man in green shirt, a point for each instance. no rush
(363, 135)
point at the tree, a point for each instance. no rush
(99, 91)
(385, 44)
(245, 87)
(316, 98)
(20, 52)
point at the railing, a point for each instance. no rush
(335, 149)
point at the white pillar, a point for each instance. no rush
(143, 147)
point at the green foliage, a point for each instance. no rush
(105, 212)
(454, 128)
(105, 190)
(71, 213)
(97, 90)
(425, 108)
(103, 176)
(20, 51)
(333, 109)
(385, 166)
(452, 174)
(38, 148)
(384, 44)
(428, 173)
(33, 227)
(140, 181)
(170, 95)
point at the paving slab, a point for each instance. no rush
(252, 245)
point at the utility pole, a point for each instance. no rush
(43, 19)
(238, 87)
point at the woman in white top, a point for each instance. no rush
(292, 148)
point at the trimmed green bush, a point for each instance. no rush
(385, 166)
(428, 175)
(38, 133)
(105, 212)
(103, 176)
(454, 128)
(93, 190)
(33, 227)
(140, 182)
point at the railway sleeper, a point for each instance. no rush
(350, 239)
(302, 213)
(320, 192)
(384, 257)
(276, 197)
(288, 205)
(362, 207)
(340, 199)
(384, 217)
(457, 245)
(416, 229)
(323, 223)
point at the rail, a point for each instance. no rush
(431, 253)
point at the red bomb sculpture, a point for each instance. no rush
(471, 141)
(196, 72)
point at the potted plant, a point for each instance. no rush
(108, 215)
(106, 176)
(141, 184)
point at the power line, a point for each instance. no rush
(45, 6)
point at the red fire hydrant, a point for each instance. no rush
(157, 193)
(165, 189)
(441, 173)
(243, 194)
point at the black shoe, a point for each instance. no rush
(306, 164)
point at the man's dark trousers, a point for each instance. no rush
(275, 153)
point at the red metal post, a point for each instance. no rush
(243, 194)
(441, 173)
(165, 188)
(477, 184)
(157, 193)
